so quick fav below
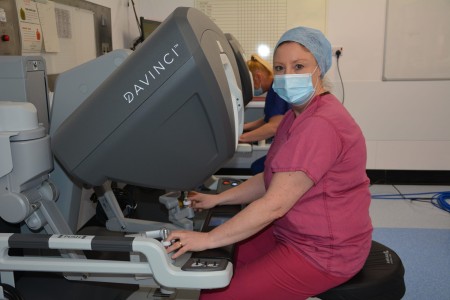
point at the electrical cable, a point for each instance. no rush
(137, 19)
(338, 55)
(438, 199)
(140, 39)
(10, 292)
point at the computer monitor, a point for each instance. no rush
(168, 117)
(147, 27)
(244, 72)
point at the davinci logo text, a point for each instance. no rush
(156, 70)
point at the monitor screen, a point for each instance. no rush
(168, 117)
(218, 220)
(147, 27)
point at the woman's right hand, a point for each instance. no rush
(201, 201)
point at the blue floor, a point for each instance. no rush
(419, 233)
(426, 258)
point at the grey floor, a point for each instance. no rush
(405, 213)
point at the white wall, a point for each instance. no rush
(121, 24)
(406, 123)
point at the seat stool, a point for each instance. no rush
(381, 278)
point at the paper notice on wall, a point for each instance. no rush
(48, 25)
(30, 36)
(2, 15)
(30, 26)
(77, 43)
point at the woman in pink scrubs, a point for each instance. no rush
(306, 226)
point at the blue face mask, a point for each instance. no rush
(295, 89)
(258, 92)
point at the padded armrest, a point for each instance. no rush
(244, 147)
(223, 212)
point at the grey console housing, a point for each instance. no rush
(168, 117)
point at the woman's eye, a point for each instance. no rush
(298, 66)
(278, 68)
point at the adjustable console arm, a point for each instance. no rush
(180, 213)
(157, 266)
(117, 221)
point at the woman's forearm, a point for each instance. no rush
(248, 191)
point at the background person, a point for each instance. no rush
(274, 108)
(306, 227)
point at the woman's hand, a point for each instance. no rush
(201, 201)
(185, 240)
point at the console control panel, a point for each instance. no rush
(205, 264)
(226, 184)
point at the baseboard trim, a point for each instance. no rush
(408, 177)
(411, 177)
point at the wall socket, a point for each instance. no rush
(336, 48)
(105, 48)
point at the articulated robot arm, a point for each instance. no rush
(26, 194)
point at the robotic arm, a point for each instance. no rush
(26, 194)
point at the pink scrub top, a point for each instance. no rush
(330, 225)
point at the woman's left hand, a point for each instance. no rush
(185, 240)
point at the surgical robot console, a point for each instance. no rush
(166, 116)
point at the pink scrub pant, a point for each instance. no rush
(268, 269)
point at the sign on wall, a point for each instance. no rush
(417, 40)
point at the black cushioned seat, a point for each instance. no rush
(381, 278)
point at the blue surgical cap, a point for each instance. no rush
(314, 41)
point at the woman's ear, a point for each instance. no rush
(257, 78)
